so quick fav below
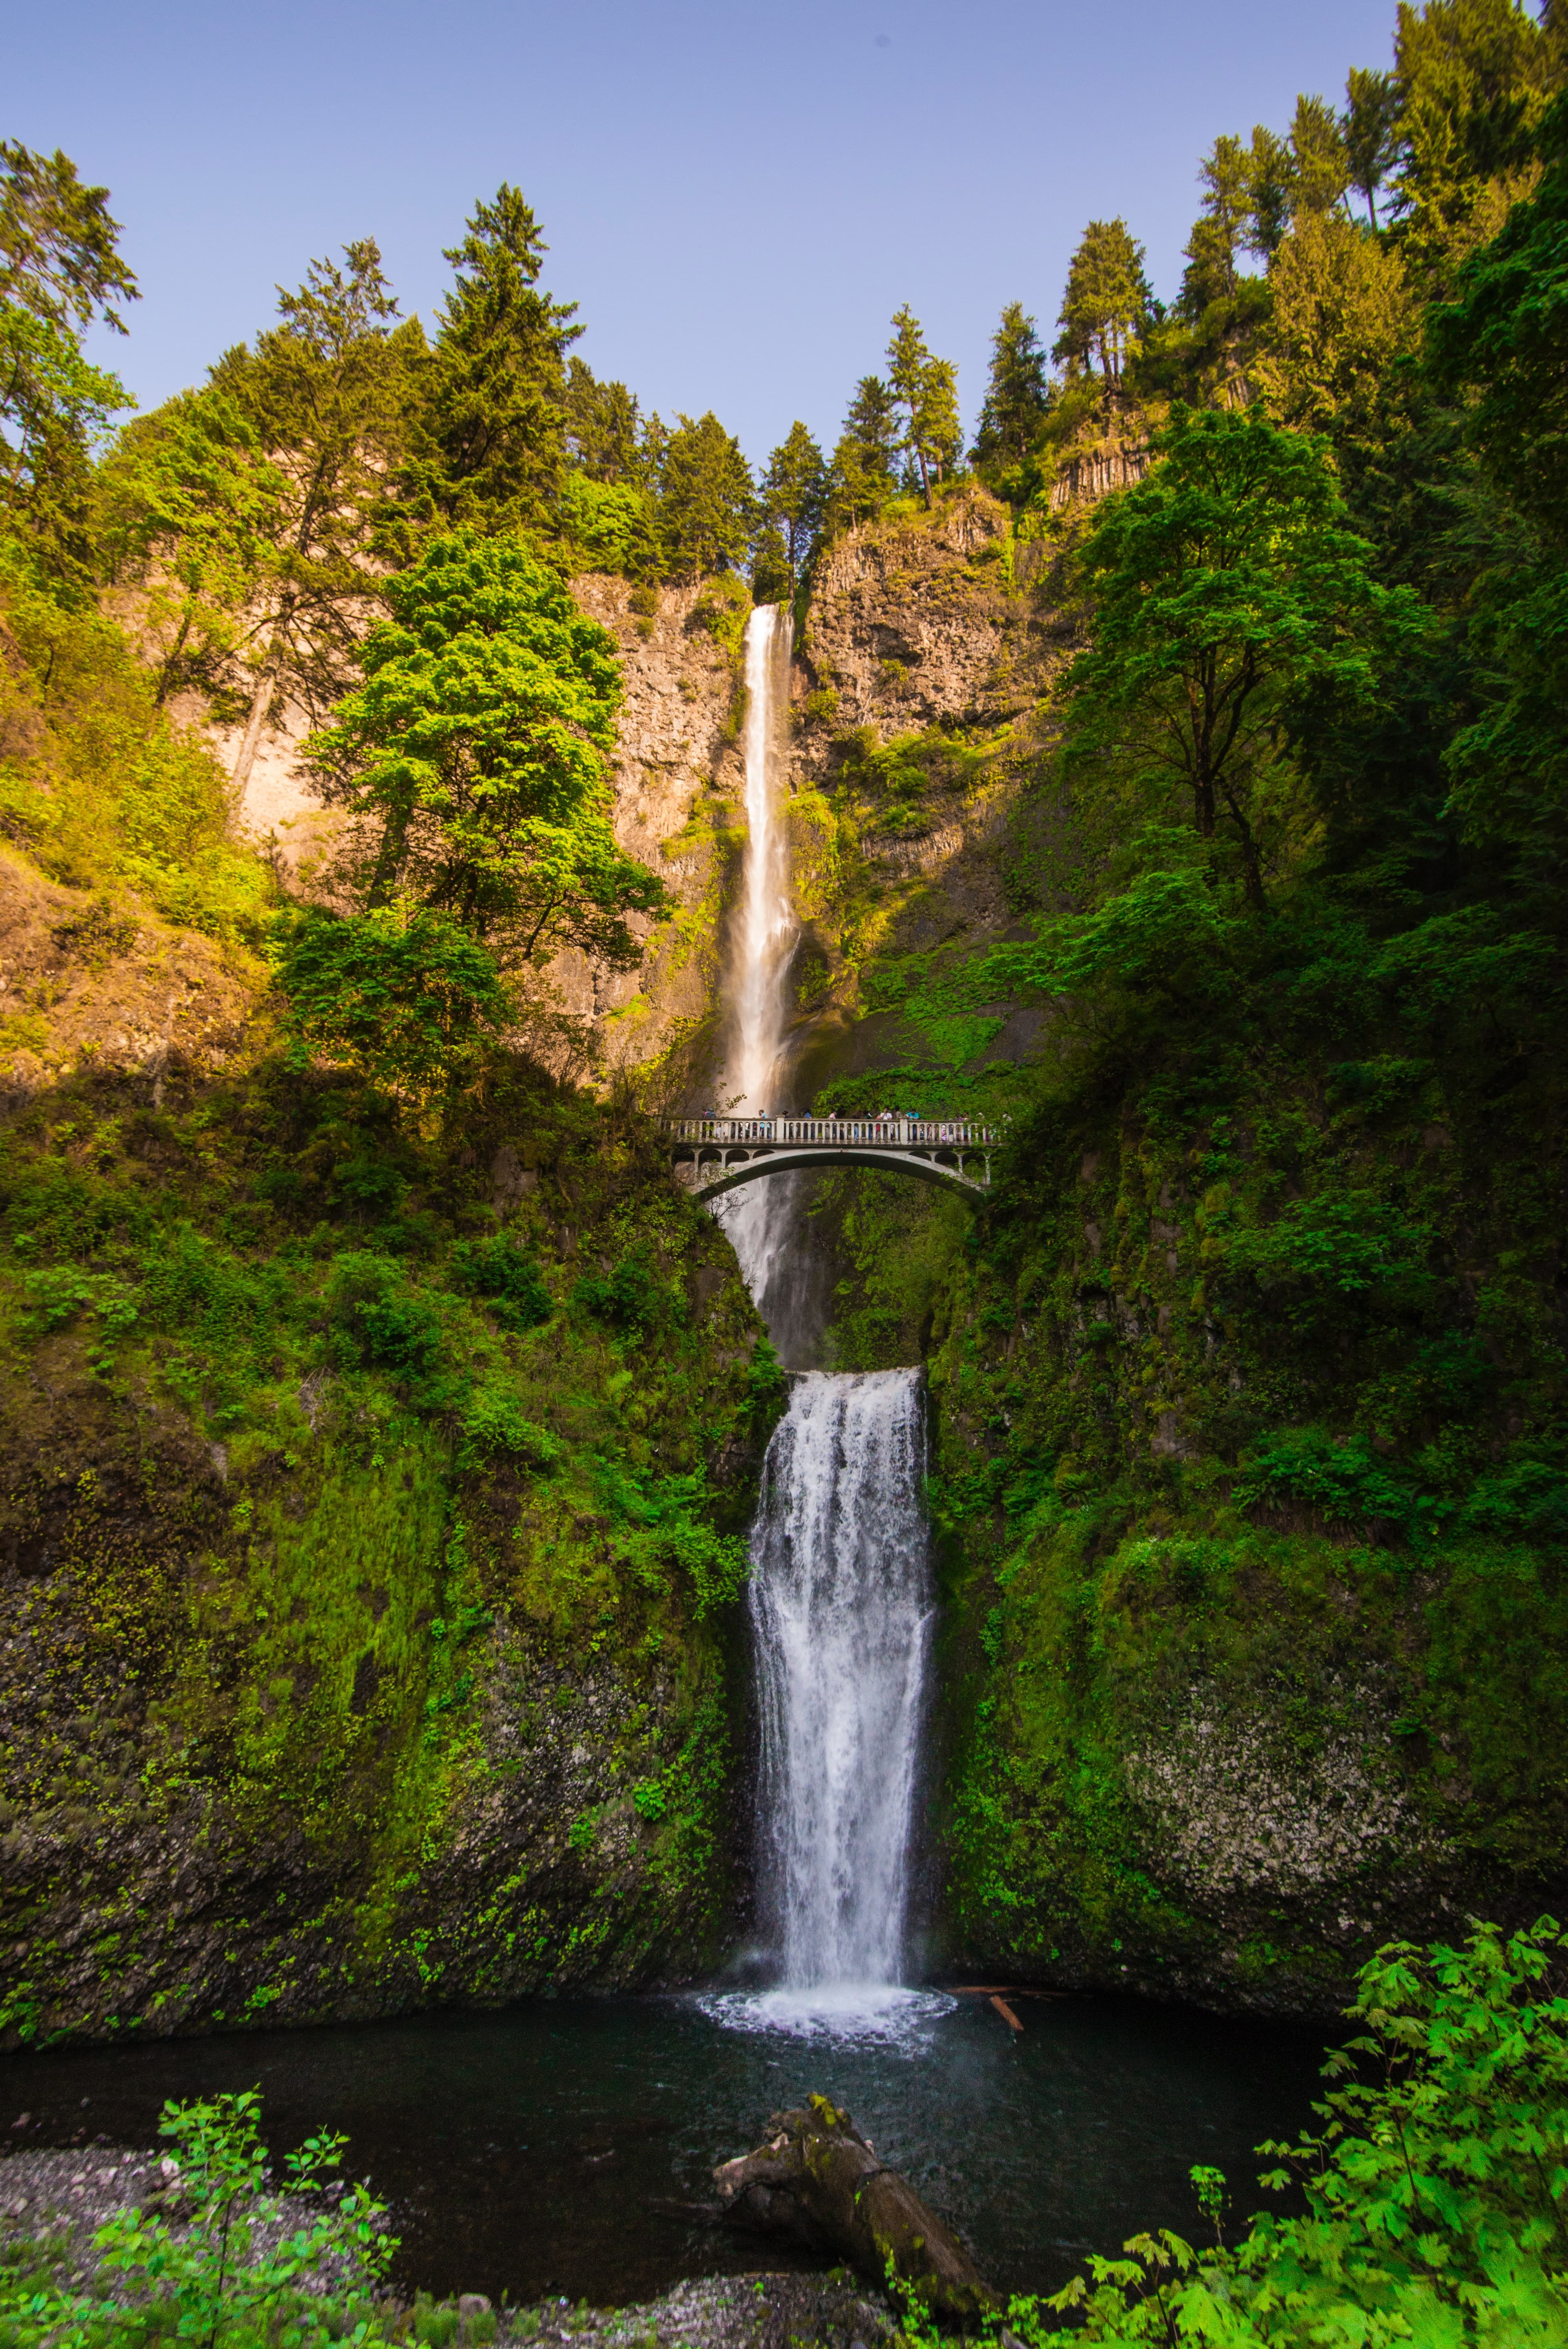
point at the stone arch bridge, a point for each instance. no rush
(714, 1154)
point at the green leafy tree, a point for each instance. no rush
(705, 500)
(925, 388)
(1224, 588)
(474, 758)
(1342, 316)
(60, 269)
(792, 497)
(1502, 341)
(325, 394)
(1370, 128)
(1474, 77)
(1017, 395)
(404, 995)
(1107, 304)
(189, 510)
(487, 434)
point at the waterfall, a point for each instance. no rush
(840, 1598)
(840, 1590)
(761, 1219)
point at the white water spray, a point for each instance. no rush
(840, 1598)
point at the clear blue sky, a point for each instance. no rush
(738, 196)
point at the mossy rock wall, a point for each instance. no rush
(365, 1640)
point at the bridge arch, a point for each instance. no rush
(751, 1169)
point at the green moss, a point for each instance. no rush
(346, 1506)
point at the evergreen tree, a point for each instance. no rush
(487, 438)
(60, 270)
(1370, 127)
(326, 392)
(1017, 396)
(1474, 77)
(791, 498)
(603, 428)
(1320, 166)
(926, 389)
(863, 473)
(705, 502)
(474, 758)
(1107, 304)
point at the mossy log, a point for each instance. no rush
(818, 2182)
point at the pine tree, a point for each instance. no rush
(1320, 166)
(1017, 396)
(791, 496)
(487, 440)
(926, 389)
(863, 473)
(1107, 303)
(604, 428)
(705, 500)
(327, 392)
(1370, 129)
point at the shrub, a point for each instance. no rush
(511, 1282)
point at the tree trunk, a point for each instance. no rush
(260, 703)
(818, 2182)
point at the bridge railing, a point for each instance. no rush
(886, 1133)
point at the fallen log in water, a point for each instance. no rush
(818, 2182)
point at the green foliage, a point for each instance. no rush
(474, 758)
(1107, 304)
(791, 500)
(101, 789)
(59, 269)
(633, 1298)
(1227, 588)
(485, 448)
(1433, 2192)
(926, 389)
(211, 2275)
(404, 997)
(1017, 396)
(509, 1280)
(326, 393)
(705, 502)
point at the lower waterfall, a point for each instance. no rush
(842, 1600)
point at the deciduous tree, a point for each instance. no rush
(326, 393)
(473, 760)
(59, 269)
(1225, 588)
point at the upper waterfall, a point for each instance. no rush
(761, 1220)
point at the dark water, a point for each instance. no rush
(538, 2151)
